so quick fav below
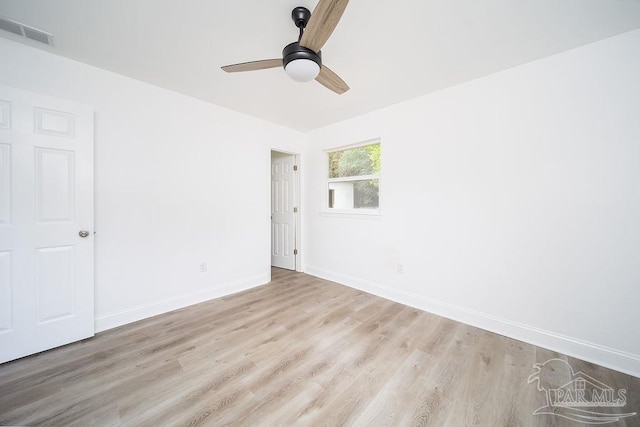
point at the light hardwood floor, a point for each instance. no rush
(298, 351)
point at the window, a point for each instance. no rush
(354, 178)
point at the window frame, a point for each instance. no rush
(371, 213)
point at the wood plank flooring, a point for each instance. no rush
(298, 351)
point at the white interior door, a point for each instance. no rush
(46, 200)
(283, 237)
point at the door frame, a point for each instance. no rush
(297, 196)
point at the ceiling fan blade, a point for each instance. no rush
(253, 65)
(323, 21)
(331, 80)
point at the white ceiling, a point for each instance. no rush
(387, 51)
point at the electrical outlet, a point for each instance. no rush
(400, 268)
(203, 267)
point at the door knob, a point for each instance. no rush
(83, 233)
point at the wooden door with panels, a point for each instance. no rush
(46, 223)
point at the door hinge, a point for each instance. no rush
(295, 252)
(295, 210)
(295, 167)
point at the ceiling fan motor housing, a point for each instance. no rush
(300, 63)
(294, 51)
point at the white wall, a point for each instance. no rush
(512, 202)
(178, 182)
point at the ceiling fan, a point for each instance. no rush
(302, 60)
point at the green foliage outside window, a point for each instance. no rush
(357, 161)
(354, 162)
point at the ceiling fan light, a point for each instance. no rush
(302, 70)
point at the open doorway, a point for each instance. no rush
(285, 219)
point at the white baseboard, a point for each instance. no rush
(123, 317)
(608, 357)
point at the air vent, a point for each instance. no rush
(12, 27)
(26, 31)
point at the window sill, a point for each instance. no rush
(375, 215)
